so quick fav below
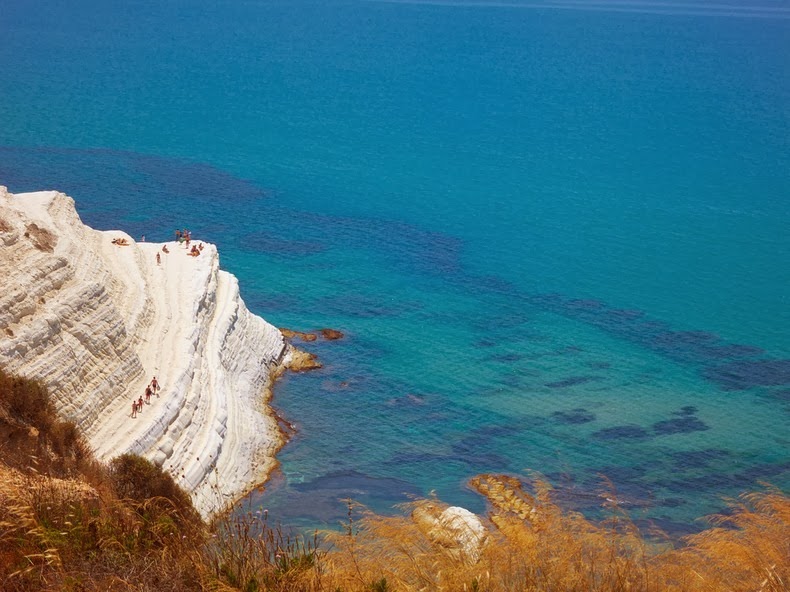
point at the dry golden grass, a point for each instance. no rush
(747, 550)
(72, 524)
(534, 545)
(65, 535)
(62, 534)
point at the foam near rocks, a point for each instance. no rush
(95, 322)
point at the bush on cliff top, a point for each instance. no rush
(138, 479)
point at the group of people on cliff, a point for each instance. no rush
(183, 237)
(150, 390)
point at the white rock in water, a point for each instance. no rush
(95, 322)
(467, 529)
(457, 530)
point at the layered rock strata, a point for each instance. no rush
(95, 322)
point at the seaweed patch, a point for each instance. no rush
(573, 381)
(624, 432)
(744, 374)
(574, 416)
(680, 425)
(698, 459)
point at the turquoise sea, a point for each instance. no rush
(556, 234)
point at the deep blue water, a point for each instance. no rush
(555, 236)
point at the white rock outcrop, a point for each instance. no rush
(456, 530)
(95, 322)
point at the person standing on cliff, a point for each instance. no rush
(140, 403)
(134, 408)
(155, 385)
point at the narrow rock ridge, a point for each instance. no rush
(96, 321)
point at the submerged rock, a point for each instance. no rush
(331, 334)
(302, 361)
(290, 334)
(328, 334)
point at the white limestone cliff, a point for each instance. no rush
(95, 322)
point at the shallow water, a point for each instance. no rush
(555, 239)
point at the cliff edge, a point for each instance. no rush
(95, 321)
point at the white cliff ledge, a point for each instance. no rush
(95, 322)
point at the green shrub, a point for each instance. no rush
(54, 446)
(136, 478)
(25, 400)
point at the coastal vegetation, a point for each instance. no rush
(68, 522)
